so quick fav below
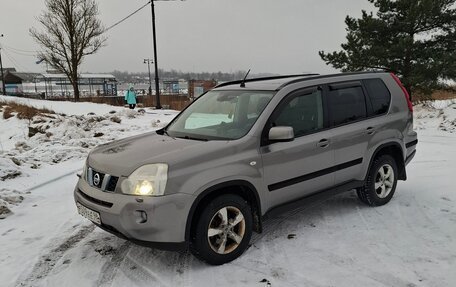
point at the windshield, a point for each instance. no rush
(220, 115)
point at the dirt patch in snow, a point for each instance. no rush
(9, 198)
(8, 169)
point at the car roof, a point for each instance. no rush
(275, 83)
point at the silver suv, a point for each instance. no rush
(206, 180)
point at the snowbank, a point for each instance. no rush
(68, 108)
(432, 116)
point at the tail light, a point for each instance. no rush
(404, 90)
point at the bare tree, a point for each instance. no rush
(71, 32)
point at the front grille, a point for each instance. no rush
(103, 181)
(111, 186)
(94, 200)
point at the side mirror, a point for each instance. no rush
(281, 134)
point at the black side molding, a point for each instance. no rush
(410, 157)
(313, 175)
(412, 143)
(312, 199)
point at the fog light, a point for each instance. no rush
(141, 216)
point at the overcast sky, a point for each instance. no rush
(281, 36)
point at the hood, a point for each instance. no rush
(123, 156)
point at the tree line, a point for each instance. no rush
(133, 77)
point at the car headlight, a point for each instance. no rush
(84, 171)
(148, 180)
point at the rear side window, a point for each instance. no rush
(347, 105)
(379, 96)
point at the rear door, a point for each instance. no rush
(303, 166)
(348, 112)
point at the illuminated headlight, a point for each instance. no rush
(149, 180)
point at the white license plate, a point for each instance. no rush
(88, 213)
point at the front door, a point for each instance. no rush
(303, 166)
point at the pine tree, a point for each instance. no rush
(415, 39)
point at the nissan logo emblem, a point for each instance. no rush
(96, 179)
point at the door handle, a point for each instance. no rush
(323, 143)
(370, 131)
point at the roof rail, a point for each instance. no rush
(263, 79)
(329, 76)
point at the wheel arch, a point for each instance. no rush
(243, 188)
(394, 149)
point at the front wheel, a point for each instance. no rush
(223, 230)
(381, 182)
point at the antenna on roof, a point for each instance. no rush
(243, 80)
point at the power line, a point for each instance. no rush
(19, 50)
(11, 58)
(20, 53)
(125, 18)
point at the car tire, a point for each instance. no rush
(381, 181)
(223, 230)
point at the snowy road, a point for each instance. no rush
(335, 241)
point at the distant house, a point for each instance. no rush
(15, 82)
(197, 87)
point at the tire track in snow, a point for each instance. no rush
(144, 266)
(149, 276)
(53, 180)
(110, 268)
(47, 262)
(182, 263)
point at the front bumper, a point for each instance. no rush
(123, 215)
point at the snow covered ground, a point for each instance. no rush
(329, 242)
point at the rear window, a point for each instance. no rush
(379, 96)
(347, 105)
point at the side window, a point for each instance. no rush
(303, 112)
(347, 105)
(379, 96)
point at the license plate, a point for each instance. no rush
(88, 213)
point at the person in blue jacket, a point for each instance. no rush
(130, 97)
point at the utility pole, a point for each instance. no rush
(157, 84)
(1, 68)
(148, 61)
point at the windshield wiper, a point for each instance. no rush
(192, 138)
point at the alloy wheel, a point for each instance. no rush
(226, 230)
(384, 181)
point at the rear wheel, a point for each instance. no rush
(381, 182)
(223, 230)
